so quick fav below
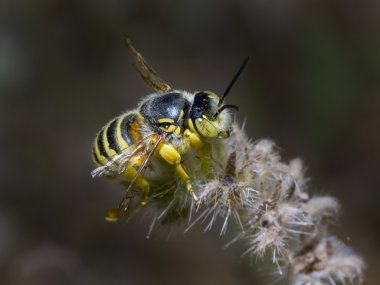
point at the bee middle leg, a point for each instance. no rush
(172, 156)
(130, 173)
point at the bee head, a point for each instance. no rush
(208, 116)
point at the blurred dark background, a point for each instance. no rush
(312, 85)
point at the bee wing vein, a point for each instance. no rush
(118, 163)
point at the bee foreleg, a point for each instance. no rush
(172, 156)
(195, 140)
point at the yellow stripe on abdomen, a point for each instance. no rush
(99, 154)
(109, 142)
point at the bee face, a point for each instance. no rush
(206, 117)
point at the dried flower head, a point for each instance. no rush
(268, 199)
(325, 260)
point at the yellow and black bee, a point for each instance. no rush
(166, 126)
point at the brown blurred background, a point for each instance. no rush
(312, 85)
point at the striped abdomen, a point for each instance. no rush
(116, 136)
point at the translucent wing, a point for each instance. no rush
(145, 147)
(128, 198)
(146, 72)
(118, 163)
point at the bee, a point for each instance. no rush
(165, 127)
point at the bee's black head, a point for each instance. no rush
(206, 115)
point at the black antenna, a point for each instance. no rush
(233, 81)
